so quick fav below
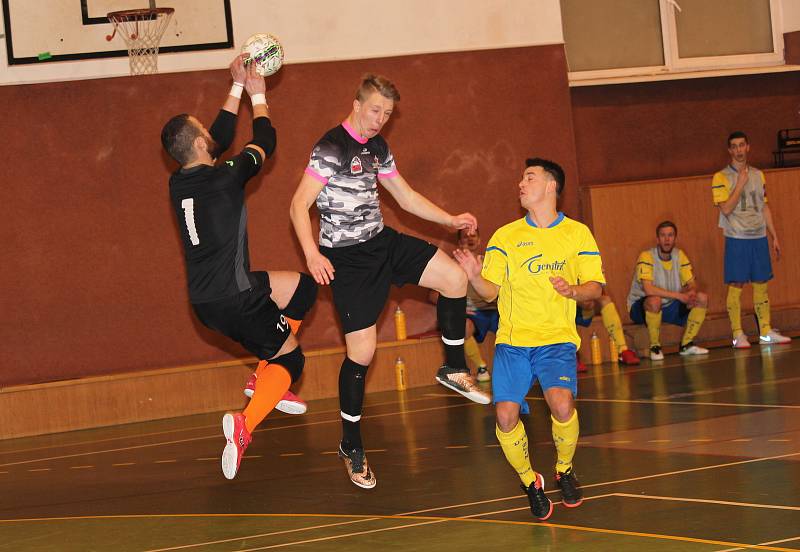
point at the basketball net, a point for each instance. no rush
(142, 31)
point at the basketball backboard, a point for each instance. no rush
(76, 29)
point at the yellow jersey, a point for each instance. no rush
(520, 259)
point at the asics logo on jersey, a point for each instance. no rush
(525, 244)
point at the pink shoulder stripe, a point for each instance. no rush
(313, 174)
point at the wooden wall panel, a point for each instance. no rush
(624, 217)
(140, 396)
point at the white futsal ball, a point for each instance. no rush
(266, 51)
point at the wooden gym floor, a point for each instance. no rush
(685, 454)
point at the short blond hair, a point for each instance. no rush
(371, 83)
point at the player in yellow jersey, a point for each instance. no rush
(538, 268)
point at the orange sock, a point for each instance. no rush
(273, 381)
(294, 325)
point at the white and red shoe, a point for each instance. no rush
(238, 438)
(289, 403)
(741, 342)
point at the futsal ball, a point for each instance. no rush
(265, 51)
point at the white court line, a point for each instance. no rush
(261, 535)
(604, 483)
(218, 435)
(192, 428)
(527, 507)
(790, 539)
(708, 501)
(726, 388)
(333, 537)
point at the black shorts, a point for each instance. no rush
(365, 271)
(250, 318)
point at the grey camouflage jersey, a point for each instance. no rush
(349, 205)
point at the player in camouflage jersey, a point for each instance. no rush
(360, 257)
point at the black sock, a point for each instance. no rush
(351, 398)
(452, 315)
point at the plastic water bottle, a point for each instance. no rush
(400, 374)
(400, 324)
(597, 356)
(613, 351)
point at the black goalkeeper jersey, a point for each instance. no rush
(212, 218)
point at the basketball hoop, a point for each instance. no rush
(142, 31)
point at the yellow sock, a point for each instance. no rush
(613, 325)
(761, 305)
(473, 352)
(734, 304)
(565, 436)
(693, 323)
(515, 447)
(273, 381)
(653, 322)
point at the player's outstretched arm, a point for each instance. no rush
(472, 267)
(223, 128)
(415, 203)
(264, 136)
(319, 266)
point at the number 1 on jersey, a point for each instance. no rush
(188, 214)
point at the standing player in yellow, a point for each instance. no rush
(745, 218)
(538, 267)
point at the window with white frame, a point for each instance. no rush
(619, 38)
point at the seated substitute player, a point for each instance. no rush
(361, 258)
(664, 289)
(225, 294)
(482, 316)
(605, 307)
(540, 265)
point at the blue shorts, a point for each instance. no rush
(747, 260)
(675, 313)
(516, 369)
(485, 321)
(580, 320)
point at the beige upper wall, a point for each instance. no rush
(321, 30)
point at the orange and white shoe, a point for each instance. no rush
(355, 461)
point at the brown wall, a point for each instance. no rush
(93, 278)
(677, 128)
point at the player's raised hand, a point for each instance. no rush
(254, 83)
(238, 69)
(562, 287)
(464, 220)
(469, 263)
